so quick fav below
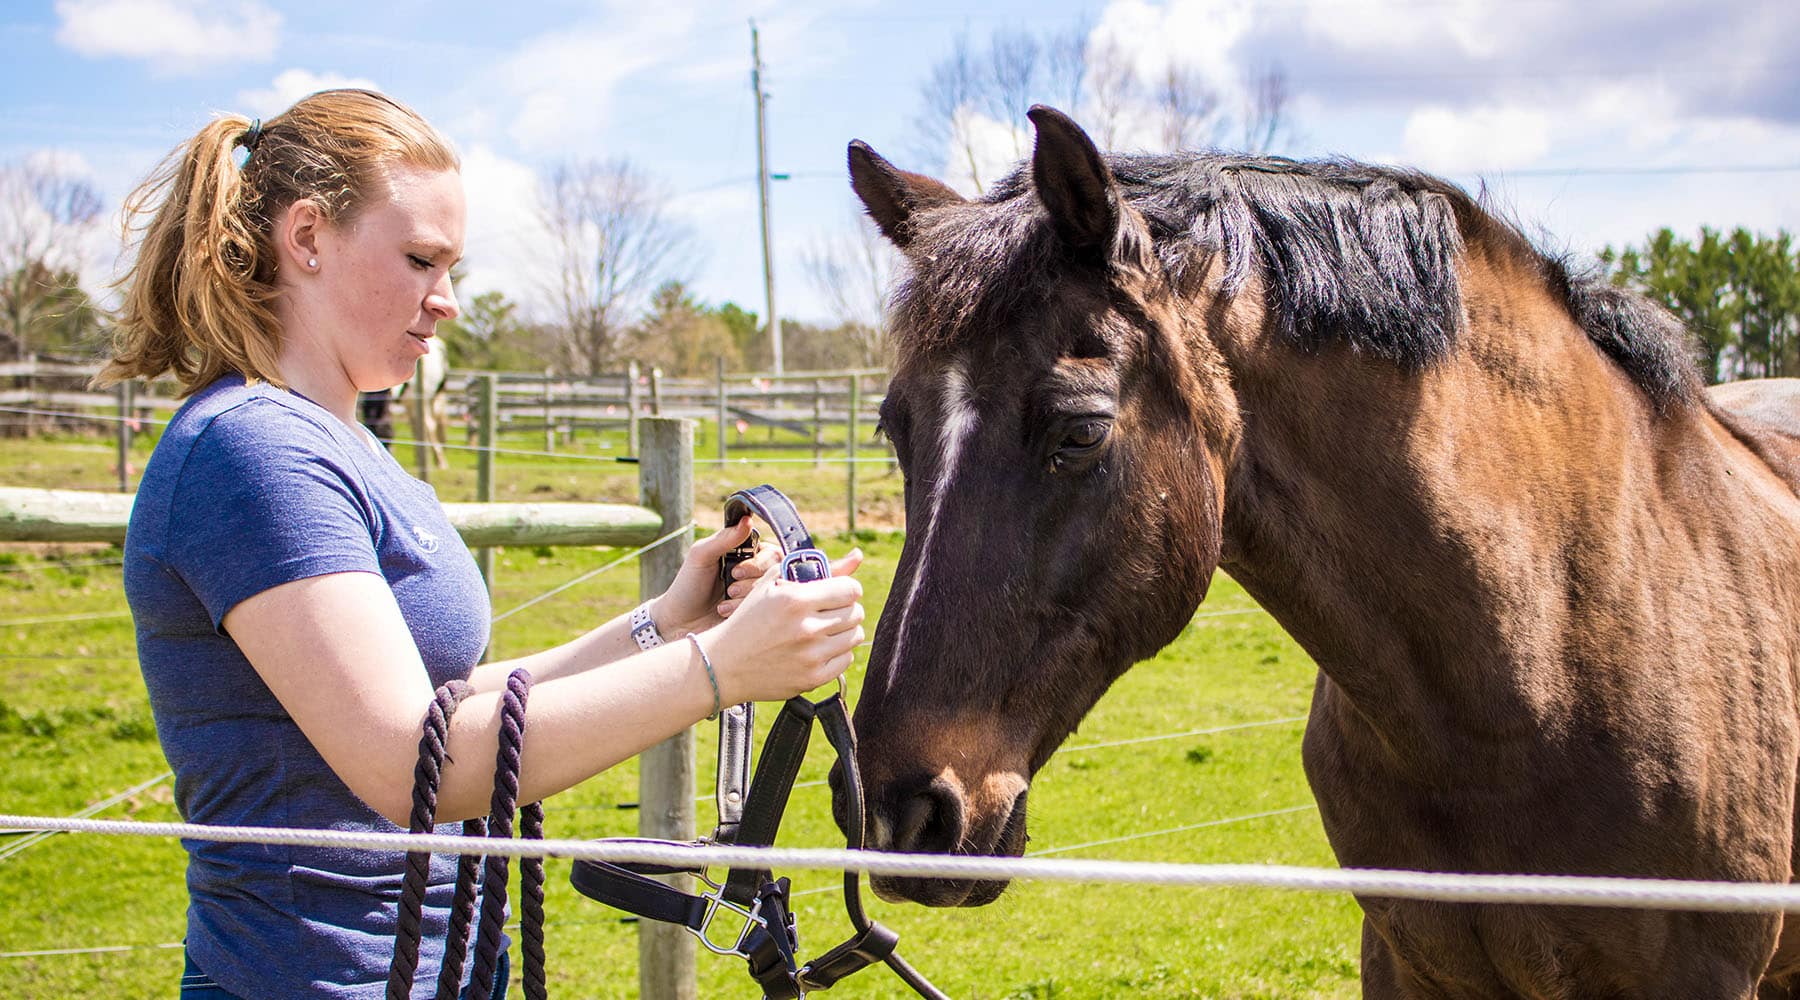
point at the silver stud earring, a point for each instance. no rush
(312, 262)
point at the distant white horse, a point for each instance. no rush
(430, 416)
(430, 422)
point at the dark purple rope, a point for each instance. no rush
(427, 774)
(500, 824)
(462, 913)
(531, 895)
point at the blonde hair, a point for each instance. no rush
(197, 300)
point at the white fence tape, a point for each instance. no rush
(1560, 890)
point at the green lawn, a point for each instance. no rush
(74, 729)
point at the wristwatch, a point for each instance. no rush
(643, 629)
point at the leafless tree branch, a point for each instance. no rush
(614, 242)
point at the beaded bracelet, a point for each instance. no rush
(711, 677)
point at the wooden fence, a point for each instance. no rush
(42, 394)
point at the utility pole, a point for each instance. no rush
(762, 188)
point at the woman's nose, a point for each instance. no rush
(441, 303)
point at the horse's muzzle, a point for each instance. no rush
(937, 817)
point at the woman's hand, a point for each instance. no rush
(694, 602)
(787, 638)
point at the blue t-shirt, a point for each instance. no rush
(251, 487)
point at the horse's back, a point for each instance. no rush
(1765, 413)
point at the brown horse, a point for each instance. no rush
(1551, 583)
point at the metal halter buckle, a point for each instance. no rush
(802, 565)
(716, 901)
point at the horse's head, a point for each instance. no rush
(1060, 426)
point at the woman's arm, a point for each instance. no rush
(337, 654)
(694, 602)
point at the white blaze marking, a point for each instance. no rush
(957, 426)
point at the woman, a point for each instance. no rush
(298, 597)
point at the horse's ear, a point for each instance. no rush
(892, 195)
(1073, 182)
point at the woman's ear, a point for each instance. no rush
(297, 236)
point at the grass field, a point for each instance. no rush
(75, 728)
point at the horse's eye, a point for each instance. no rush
(1085, 435)
(1080, 443)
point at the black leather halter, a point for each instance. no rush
(750, 813)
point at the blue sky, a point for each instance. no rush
(1595, 122)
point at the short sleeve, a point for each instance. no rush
(266, 497)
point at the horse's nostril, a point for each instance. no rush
(931, 822)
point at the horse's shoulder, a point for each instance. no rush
(1765, 414)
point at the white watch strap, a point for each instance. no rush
(643, 630)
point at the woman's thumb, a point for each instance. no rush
(715, 545)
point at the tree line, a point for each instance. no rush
(1737, 293)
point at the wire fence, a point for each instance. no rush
(1451, 887)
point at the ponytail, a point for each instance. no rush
(198, 299)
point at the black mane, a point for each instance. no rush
(1346, 250)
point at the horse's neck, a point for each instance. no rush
(1450, 543)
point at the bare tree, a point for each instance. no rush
(1115, 90)
(944, 127)
(1265, 110)
(45, 213)
(614, 242)
(1066, 64)
(852, 271)
(1098, 79)
(1012, 71)
(1187, 109)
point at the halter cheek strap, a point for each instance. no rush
(750, 812)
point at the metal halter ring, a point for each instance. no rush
(715, 902)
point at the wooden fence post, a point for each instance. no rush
(655, 391)
(818, 420)
(489, 395)
(721, 380)
(125, 388)
(855, 404)
(549, 420)
(666, 952)
(631, 408)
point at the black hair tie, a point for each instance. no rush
(252, 136)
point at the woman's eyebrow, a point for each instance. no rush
(434, 249)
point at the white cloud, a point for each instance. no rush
(60, 163)
(1492, 138)
(1477, 28)
(291, 85)
(1197, 35)
(554, 91)
(505, 246)
(172, 35)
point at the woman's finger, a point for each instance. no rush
(836, 666)
(767, 554)
(714, 546)
(829, 594)
(848, 564)
(843, 619)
